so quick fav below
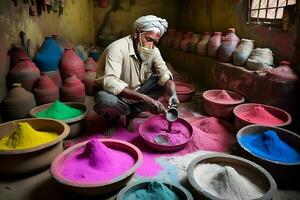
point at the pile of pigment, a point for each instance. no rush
(224, 97)
(269, 146)
(259, 115)
(59, 110)
(25, 137)
(225, 182)
(177, 132)
(153, 191)
(95, 162)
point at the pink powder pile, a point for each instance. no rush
(182, 87)
(224, 97)
(94, 162)
(259, 115)
(178, 134)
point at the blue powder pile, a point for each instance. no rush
(270, 146)
(153, 191)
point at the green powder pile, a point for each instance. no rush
(153, 191)
(59, 110)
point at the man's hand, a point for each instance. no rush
(155, 107)
(174, 101)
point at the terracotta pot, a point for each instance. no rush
(17, 103)
(170, 37)
(89, 81)
(45, 90)
(184, 91)
(55, 76)
(16, 54)
(229, 43)
(72, 90)
(90, 64)
(202, 45)
(24, 72)
(214, 44)
(194, 41)
(242, 52)
(283, 72)
(177, 39)
(71, 64)
(184, 44)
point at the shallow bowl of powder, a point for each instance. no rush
(254, 113)
(184, 91)
(179, 133)
(77, 122)
(220, 103)
(221, 176)
(25, 161)
(97, 166)
(154, 189)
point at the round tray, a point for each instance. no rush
(23, 161)
(279, 113)
(165, 147)
(220, 109)
(183, 193)
(97, 188)
(249, 169)
(77, 124)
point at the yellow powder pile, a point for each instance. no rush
(25, 137)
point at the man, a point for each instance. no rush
(132, 75)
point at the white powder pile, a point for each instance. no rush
(225, 182)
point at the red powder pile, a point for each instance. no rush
(259, 115)
(223, 96)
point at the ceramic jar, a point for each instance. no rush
(202, 44)
(194, 41)
(25, 72)
(55, 76)
(177, 40)
(184, 44)
(71, 64)
(17, 103)
(214, 44)
(242, 52)
(229, 43)
(16, 54)
(45, 90)
(90, 64)
(72, 90)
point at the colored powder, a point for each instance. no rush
(259, 115)
(59, 110)
(226, 183)
(270, 146)
(95, 162)
(153, 191)
(224, 97)
(25, 137)
(182, 88)
(177, 133)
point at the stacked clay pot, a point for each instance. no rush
(17, 103)
(45, 90)
(229, 43)
(25, 72)
(214, 44)
(177, 40)
(71, 64)
(16, 54)
(170, 37)
(72, 90)
(184, 44)
(202, 45)
(89, 76)
(55, 77)
(242, 52)
(193, 43)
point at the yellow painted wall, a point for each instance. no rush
(76, 25)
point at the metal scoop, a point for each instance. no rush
(161, 139)
(171, 114)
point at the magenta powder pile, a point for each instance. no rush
(95, 162)
(224, 97)
(259, 115)
(178, 134)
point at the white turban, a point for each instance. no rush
(151, 23)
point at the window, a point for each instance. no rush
(268, 11)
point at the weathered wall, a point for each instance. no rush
(76, 25)
(120, 22)
(216, 15)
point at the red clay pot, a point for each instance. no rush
(55, 76)
(184, 91)
(185, 43)
(45, 90)
(214, 44)
(89, 81)
(177, 39)
(90, 64)
(70, 63)
(72, 90)
(170, 37)
(16, 54)
(24, 72)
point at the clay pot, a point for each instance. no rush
(24, 72)
(90, 64)
(17, 103)
(177, 39)
(184, 44)
(72, 90)
(193, 43)
(283, 72)
(45, 90)
(48, 56)
(16, 54)
(81, 51)
(170, 37)
(229, 43)
(202, 45)
(242, 52)
(55, 76)
(89, 81)
(71, 64)
(214, 44)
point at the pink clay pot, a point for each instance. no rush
(70, 63)
(45, 90)
(72, 90)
